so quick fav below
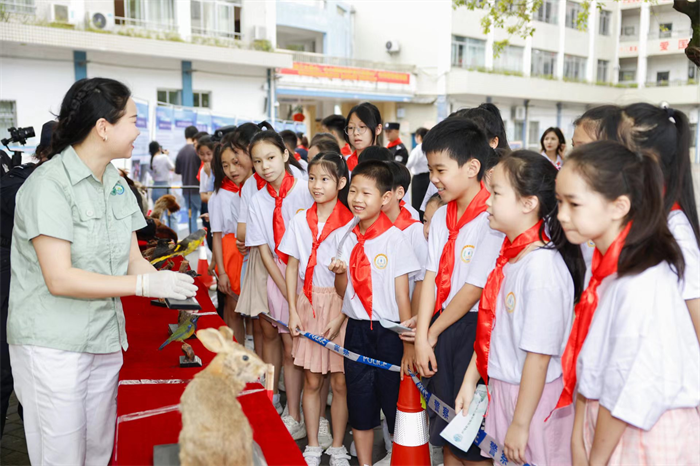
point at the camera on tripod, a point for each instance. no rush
(17, 135)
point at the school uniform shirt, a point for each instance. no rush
(641, 357)
(428, 194)
(206, 182)
(250, 188)
(681, 229)
(534, 313)
(476, 250)
(260, 212)
(223, 212)
(389, 256)
(297, 242)
(587, 250)
(414, 212)
(419, 246)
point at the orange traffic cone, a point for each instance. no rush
(203, 269)
(411, 430)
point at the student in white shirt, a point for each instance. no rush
(270, 211)
(638, 360)
(161, 168)
(525, 315)
(420, 173)
(205, 147)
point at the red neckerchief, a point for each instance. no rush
(296, 155)
(360, 269)
(489, 295)
(259, 181)
(278, 227)
(676, 206)
(339, 217)
(345, 150)
(601, 267)
(352, 161)
(405, 219)
(393, 143)
(443, 279)
(199, 172)
(229, 185)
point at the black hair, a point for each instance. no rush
(368, 114)
(335, 124)
(271, 136)
(377, 171)
(190, 132)
(664, 133)
(613, 170)
(290, 139)
(153, 149)
(206, 141)
(325, 143)
(335, 165)
(401, 175)
(87, 101)
(421, 132)
(217, 166)
(560, 136)
(375, 153)
(488, 118)
(241, 136)
(200, 135)
(600, 122)
(303, 140)
(435, 198)
(530, 174)
(463, 140)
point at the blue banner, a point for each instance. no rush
(184, 118)
(221, 121)
(203, 122)
(164, 118)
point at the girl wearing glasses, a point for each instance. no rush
(362, 129)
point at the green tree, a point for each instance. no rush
(515, 17)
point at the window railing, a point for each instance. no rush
(681, 33)
(122, 22)
(674, 82)
(204, 32)
(309, 57)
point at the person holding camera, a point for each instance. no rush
(74, 254)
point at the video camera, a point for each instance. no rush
(17, 135)
(221, 132)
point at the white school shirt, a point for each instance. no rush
(534, 313)
(260, 213)
(419, 245)
(641, 357)
(390, 256)
(297, 242)
(476, 250)
(250, 187)
(223, 212)
(414, 213)
(681, 229)
(206, 182)
(428, 194)
(417, 161)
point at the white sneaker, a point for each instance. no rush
(325, 439)
(329, 400)
(278, 407)
(339, 456)
(312, 455)
(297, 429)
(386, 461)
(353, 450)
(388, 438)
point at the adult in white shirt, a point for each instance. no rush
(161, 167)
(418, 165)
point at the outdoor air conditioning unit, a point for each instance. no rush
(519, 113)
(100, 20)
(60, 13)
(393, 46)
(259, 33)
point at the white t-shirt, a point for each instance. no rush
(587, 250)
(260, 212)
(390, 256)
(414, 212)
(681, 229)
(250, 187)
(417, 161)
(223, 212)
(297, 243)
(534, 312)
(476, 250)
(162, 166)
(206, 182)
(641, 356)
(419, 246)
(428, 194)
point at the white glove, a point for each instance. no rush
(165, 284)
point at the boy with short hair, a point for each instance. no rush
(462, 251)
(372, 276)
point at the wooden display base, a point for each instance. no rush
(185, 363)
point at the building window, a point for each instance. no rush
(665, 30)
(510, 59)
(573, 10)
(220, 18)
(151, 14)
(629, 31)
(26, 7)
(467, 52)
(8, 117)
(662, 78)
(626, 76)
(202, 99)
(602, 76)
(604, 21)
(543, 63)
(169, 97)
(692, 71)
(547, 13)
(574, 67)
(533, 135)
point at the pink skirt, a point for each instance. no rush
(549, 442)
(307, 354)
(276, 302)
(674, 439)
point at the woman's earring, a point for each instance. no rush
(104, 138)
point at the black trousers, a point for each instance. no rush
(6, 380)
(419, 186)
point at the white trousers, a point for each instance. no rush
(70, 404)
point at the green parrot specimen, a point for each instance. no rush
(185, 247)
(183, 332)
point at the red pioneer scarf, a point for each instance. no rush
(676, 206)
(339, 217)
(489, 296)
(278, 227)
(229, 185)
(352, 161)
(443, 280)
(296, 155)
(360, 269)
(259, 181)
(345, 150)
(405, 219)
(601, 267)
(393, 143)
(199, 172)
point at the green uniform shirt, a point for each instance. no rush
(64, 200)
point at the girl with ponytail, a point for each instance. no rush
(632, 356)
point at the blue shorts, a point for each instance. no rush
(370, 388)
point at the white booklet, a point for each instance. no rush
(462, 431)
(394, 327)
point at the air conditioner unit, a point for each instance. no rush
(393, 46)
(520, 113)
(259, 33)
(60, 13)
(100, 20)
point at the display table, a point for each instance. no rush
(151, 384)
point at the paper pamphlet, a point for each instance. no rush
(462, 431)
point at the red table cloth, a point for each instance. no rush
(152, 382)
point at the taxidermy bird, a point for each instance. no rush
(185, 247)
(183, 332)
